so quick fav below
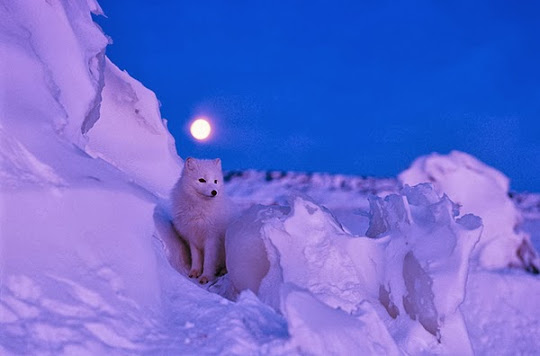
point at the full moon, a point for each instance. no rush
(200, 129)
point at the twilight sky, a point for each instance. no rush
(355, 87)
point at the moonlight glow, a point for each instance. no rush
(200, 129)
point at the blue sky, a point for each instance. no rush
(354, 87)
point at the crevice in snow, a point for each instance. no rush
(96, 66)
(61, 121)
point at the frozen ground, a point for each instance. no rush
(89, 263)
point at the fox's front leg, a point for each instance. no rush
(196, 261)
(211, 254)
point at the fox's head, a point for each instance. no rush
(203, 176)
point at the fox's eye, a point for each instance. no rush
(215, 182)
(202, 180)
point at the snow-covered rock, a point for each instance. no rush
(481, 190)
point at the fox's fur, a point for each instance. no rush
(200, 214)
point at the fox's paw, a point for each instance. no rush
(194, 273)
(206, 278)
(221, 272)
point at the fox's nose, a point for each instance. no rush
(214, 193)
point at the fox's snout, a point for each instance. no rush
(214, 193)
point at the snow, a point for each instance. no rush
(501, 313)
(131, 109)
(307, 249)
(481, 190)
(318, 263)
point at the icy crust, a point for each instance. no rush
(408, 279)
(481, 190)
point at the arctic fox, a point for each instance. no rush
(200, 214)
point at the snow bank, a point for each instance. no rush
(84, 156)
(481, 190)
(402, 287)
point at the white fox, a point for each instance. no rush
(200, 214)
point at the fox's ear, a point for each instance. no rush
(217, 162)
(190, 163)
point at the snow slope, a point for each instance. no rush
(84, 159)
(89, 262)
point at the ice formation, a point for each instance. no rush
(414, 264)
(481, 190)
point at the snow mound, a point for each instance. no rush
(82, 267)
(303, 263)
(484, 191)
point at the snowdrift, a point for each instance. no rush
(481, 190)
(89, 262)
(84, 159)
(62, 100)
(414, 266)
